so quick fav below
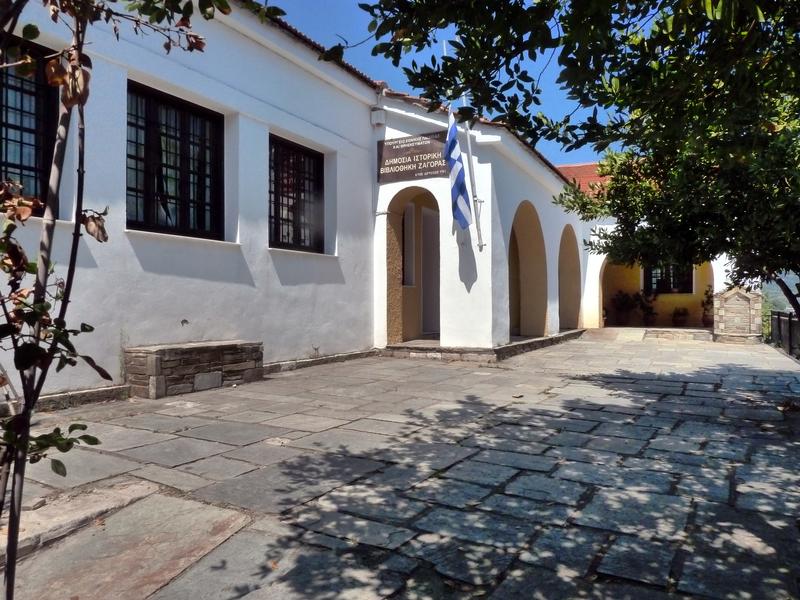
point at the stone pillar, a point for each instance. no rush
(737, 316)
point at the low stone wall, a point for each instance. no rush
(172, 369)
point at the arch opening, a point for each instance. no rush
(527, 275)
(569, 280)
(412, 256)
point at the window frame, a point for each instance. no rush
(318, 232)
(650, 287)
(153, 100)
(45, 122)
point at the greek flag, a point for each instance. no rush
(458, 186)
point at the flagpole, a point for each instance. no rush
(475, 202)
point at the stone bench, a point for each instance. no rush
(172, 369)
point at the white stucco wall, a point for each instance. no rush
(139, 287)
(518, 177)
(465, 270)
(148, 288)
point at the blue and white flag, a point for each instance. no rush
(458, 186)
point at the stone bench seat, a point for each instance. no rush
(171, 369)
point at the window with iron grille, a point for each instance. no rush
(668, 279)
(28, 112)
(296, 207)
(174, 165)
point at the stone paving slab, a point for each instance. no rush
(235, 434)
(176, 452)
(638, 513)
(569, 551)
(458, 494)
(262, 567)
(372, 502)
(480, 472)
(83, 466)
(471, 563)
(527, 510)
(160, 423)
(517, 460)
(342, 441)
(480, 528)
(279, 487)
(64, 514)
(542, 487)
(150, 542)
(114, 437)
(359, 530)
(594, 469)
(648, 561)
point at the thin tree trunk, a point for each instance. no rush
(14, 518)
(32, 386)
(50, 216)
(790, 296)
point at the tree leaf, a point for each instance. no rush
(58, 467)
(30, 32)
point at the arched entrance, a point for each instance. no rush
(527, 275)
(412, 256)
(569, 280)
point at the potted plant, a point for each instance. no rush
(679, 316)
(645, 302)
(707, 303)
(624, 304)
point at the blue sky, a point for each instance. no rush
(324, 20)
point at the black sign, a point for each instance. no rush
(412, 157)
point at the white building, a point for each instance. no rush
(244, 204)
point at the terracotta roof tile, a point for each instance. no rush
(583, 174)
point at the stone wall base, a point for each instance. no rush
(300, 363)
(478, 355)
(62, 400)
(740, 338)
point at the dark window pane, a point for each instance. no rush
(296, 212)
(28, 107)
(669, 279)
(174, 165)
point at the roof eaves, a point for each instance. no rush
(424, 103)
(316, 47)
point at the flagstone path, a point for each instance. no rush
(606, 467)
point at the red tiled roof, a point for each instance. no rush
(582, 174)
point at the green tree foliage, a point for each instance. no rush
(700, 100)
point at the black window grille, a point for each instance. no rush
(668, 279)
(28, 112)
(174, 165)
(296, 206)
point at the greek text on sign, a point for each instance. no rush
(412, 157)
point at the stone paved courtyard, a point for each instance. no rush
(606, 467)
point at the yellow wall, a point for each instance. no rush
(530, 267)
(569, 281)
(404, 319)
(629, 279)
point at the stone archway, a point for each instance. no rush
(527, 274)
(569, 280)
(412, 266)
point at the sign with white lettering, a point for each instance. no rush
(412, 157)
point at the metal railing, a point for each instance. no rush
(785, 331)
